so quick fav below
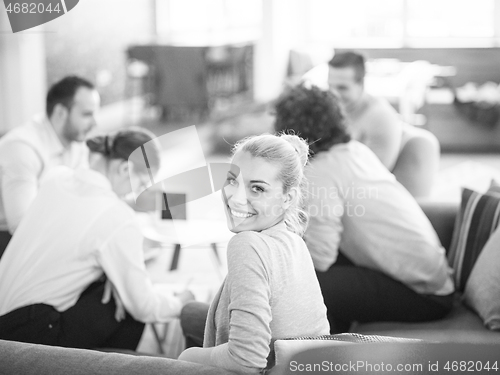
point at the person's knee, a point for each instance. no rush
(193, 313)
(192, 319)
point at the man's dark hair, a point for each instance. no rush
(63, 92)
(350, 59)
(313, 114)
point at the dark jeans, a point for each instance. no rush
(353, 293)
(4, 241)
(89, 324)
(193, 319)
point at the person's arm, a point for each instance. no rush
(384, 132)
(250, 312)
(418, 162)
(325, 208)
(21, 169)
(122, 260)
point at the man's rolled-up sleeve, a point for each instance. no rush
(122, 259)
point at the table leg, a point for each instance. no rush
(175, 258)
(216, 253)
(160, 339)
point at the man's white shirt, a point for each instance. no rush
(26, 154)
(76, 229)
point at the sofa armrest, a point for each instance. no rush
(442, 216)
(390, 358)
(22, 358)
(285, 349)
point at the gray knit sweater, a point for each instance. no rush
(270, 292)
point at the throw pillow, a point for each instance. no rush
(477, 219)
(286, 348)
(494, 187)
(482, 291)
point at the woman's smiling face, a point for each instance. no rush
(253, 194)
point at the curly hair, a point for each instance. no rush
(313, 114)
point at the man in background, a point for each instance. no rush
(55, 138)
(372, 121)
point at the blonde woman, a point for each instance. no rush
(271, 291)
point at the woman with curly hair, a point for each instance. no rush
(376, 254)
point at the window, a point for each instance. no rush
(451, 18)
(208, 21)
(398, 23)
(356, 19)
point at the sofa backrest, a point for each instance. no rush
(442, 216)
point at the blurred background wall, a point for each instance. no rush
(93, 38)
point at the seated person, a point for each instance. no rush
(77, 230)
(417, 166)
(271, 291)
(376, 254)
(372, 121)
(29, 151)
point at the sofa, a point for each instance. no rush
(26, 359)
(460, 336)
(461, 325)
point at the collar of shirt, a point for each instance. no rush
(93, 177)
(281, 226)
(53, 142)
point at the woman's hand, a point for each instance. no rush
(185, 296)
(196, 355)
(109, 289)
